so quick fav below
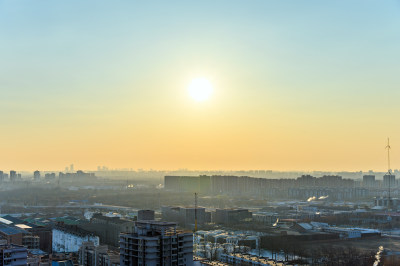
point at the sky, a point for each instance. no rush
(298, 85)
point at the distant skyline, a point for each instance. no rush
(250, 172)
(297, 85)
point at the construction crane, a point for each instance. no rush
(195, 212)
(389, 170)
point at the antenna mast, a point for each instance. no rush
(388, 148)
(389, 170)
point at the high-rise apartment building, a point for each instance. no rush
(389, 181)
(368, 180)
(254, 186)
(91, 255)
(36, 175)
(156, 243)
(13, 175)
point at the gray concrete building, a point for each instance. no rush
(13, 175)
(368, 181)
(36, 175)
(156, 243)
(389, 181)
(145, 215)
(108, 228)
(185, 216)
(92, 255)
(231, 216)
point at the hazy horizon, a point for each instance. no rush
(200, 171)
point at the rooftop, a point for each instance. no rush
(11, 230)
(67, 220)
(156, 223)
(73, 229)
(8, 220)
(115, 220)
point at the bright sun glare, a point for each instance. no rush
(200, 89)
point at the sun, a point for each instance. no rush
(200, 89)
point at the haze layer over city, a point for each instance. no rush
(199, 133)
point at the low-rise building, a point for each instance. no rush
(231, 216)
(70, 238)
(185, 216)
(108, 228)
(145, 215)
(12, 234)
(247, 259)
(21, 232)
(268, 218)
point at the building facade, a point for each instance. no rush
(145, 215)
(369, 181)
(70, 238)
(185, 216)
(13, 255)
(108, 228)
(231, 216)
(91, 255)
(389, 181)
(156, 243)
(36, 175)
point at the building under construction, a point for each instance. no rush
(156, 243)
